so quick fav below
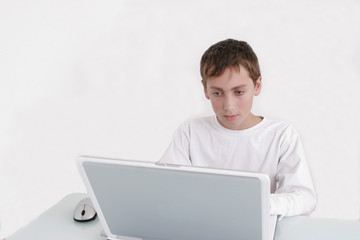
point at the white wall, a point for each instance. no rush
(115, 78)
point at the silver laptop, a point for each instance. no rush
(144, 200)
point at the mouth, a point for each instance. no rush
(230, 117)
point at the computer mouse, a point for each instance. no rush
(84, 211)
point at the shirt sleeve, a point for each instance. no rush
(295, 194)
(178, 151)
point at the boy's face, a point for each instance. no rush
(231, 95)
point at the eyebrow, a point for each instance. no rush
(237, 87)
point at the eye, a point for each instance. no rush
(216, 94)
(239, 93)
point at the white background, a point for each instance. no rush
(115, 78)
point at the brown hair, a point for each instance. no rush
(229, 53)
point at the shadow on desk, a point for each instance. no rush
(57, 224)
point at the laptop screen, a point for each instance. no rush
(164, 203)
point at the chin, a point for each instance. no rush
(231, 125)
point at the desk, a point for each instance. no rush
(57, 224)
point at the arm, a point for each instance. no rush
(178, 151)
(295, 194)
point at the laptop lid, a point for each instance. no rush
(145, 200)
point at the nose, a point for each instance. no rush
(228, 103)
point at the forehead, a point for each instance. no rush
(230, 78)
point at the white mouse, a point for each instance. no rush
(84, 211)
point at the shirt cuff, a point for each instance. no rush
(276, 206)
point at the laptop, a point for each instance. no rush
(145, 200)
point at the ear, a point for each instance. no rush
(258, 85)
(205, 91)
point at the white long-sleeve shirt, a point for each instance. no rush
(270, 147)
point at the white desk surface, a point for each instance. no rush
(57, 223)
